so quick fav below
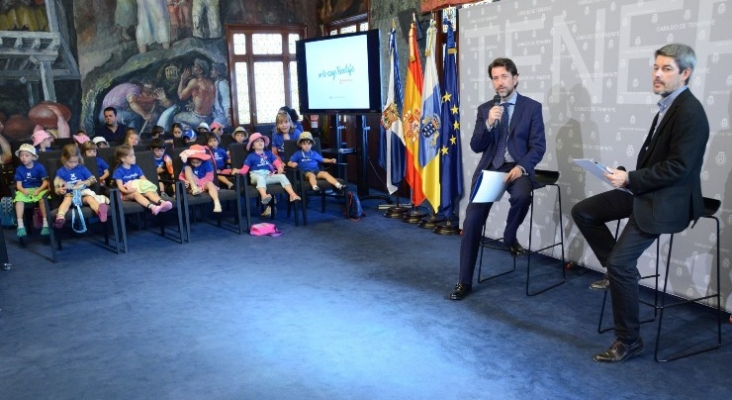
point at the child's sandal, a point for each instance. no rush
(294, 197)
(266, 199)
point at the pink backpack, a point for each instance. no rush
(264, 229)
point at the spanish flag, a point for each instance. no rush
(412, 117)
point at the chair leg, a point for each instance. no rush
(663, 306)
(530, 252)
(483, 244)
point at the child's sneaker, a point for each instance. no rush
(21, 232)
(45, 231)
(155, 209)
(102, 212)
(217, 207)
(166, 206)
(195, 190)
(59, 222)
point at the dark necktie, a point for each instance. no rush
(500, 156)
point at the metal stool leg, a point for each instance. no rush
(717, 295)
(560, 243)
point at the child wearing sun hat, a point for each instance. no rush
(31, 183)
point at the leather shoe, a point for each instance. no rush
(461, 290)
(516, 249)
(620, 351)
(602, 284)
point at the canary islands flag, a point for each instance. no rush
(429, 133)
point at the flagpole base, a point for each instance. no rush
(396, 212)
(430, 221)
(447, 228)
(413, 216)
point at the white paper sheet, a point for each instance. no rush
(489, 188)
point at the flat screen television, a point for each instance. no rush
(340, 74)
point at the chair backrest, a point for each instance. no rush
(237, 153)
(225, 141)
(146, 161)
(59, 143)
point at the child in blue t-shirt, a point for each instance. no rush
(163, 165)
(89, 149)
(132, 183)
(307, 160)
(31, 183)
(220, 159)
(198, 174)
(264, 168)
(71, 176)
(284, 130)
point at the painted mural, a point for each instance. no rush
(156, 61)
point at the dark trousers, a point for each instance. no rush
(476, 215)
(620, 258)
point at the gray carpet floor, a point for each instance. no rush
(336, 310)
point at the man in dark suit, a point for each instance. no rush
(510, 134)
(666, 194)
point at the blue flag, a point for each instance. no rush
(451, 166)
(391, 122)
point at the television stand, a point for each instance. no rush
(362, 183)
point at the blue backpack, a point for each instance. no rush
(8, 213)
(353, 207)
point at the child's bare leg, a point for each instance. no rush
(212, 191)
(225, 181)
(152, 196)
(191, 180)
(311, 179)
(139, 199)
(19, 211)
(329, 178)
(91, 202)
(63, 208)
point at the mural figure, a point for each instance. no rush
(180, 18)
(138, 105)
(206, 12)
(195, 84)
(153, 24)
(222, 103)
(125, 16)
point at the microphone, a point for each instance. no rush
(496, 103)
(620, 168)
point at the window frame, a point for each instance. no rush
(250, 59)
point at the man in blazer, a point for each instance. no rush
(663, 194)
(509, 131)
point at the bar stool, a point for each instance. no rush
(711, 206)
(544, 178)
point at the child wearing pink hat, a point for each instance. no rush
(264, 168)
(41, 140)
(198, 173)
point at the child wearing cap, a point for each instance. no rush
(80, 137)
(31, 183)
(132, 183)
(89, 149)
(41, 140)
(101, 142)
(307, 160)
(217, 129)
(188, 137)
(264, 168)
(198, 175)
